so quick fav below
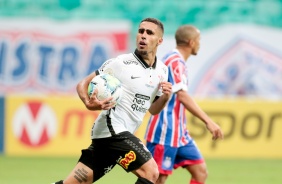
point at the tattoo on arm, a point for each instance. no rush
(81, 175)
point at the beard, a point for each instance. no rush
(143, 52)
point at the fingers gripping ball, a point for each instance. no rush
(107, 86)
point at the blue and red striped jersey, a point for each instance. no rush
(169, 126)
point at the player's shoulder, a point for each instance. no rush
(173, 59)
(160, 63)
(127, 59)
(162, 66)
(125, 56)
(117, 61)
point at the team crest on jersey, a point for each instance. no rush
(128, 158)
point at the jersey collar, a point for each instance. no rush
(141, 60)
(177, 51)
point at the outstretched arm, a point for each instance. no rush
(193, 108)
(92, 103)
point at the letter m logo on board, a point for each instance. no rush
(34, 123)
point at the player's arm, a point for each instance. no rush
(161, 101)
(91, 103)
(195, 109)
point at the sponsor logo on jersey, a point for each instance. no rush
(138, 103)
(129, 62)
(149, 86)
(144, 97)
(129, 157)
(134, 77)
(34, 124)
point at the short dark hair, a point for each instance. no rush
(185, 33)
(155, 21)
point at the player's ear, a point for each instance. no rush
(160, 41)
(191, 43)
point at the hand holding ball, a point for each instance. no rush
(107, 86)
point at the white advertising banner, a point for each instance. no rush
(50, 57)
(235, 60)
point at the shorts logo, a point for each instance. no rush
(129, 157)
(167, 162)
(108, 169)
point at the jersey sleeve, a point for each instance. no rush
(178, 76)
(164, 77)
(111, 66)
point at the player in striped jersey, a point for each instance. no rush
(167, 136)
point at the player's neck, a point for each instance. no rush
(184, 51)
(150, 58)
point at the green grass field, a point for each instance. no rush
(26, 170)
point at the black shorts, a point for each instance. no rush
(124, 149)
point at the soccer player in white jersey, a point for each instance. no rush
(167, 136)
(145, 88)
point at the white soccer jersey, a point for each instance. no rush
(140, 83)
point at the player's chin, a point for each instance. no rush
(142, 51)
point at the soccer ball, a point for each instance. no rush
(107, 86)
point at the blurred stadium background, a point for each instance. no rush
(47, 46)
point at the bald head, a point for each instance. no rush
(185, 33)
